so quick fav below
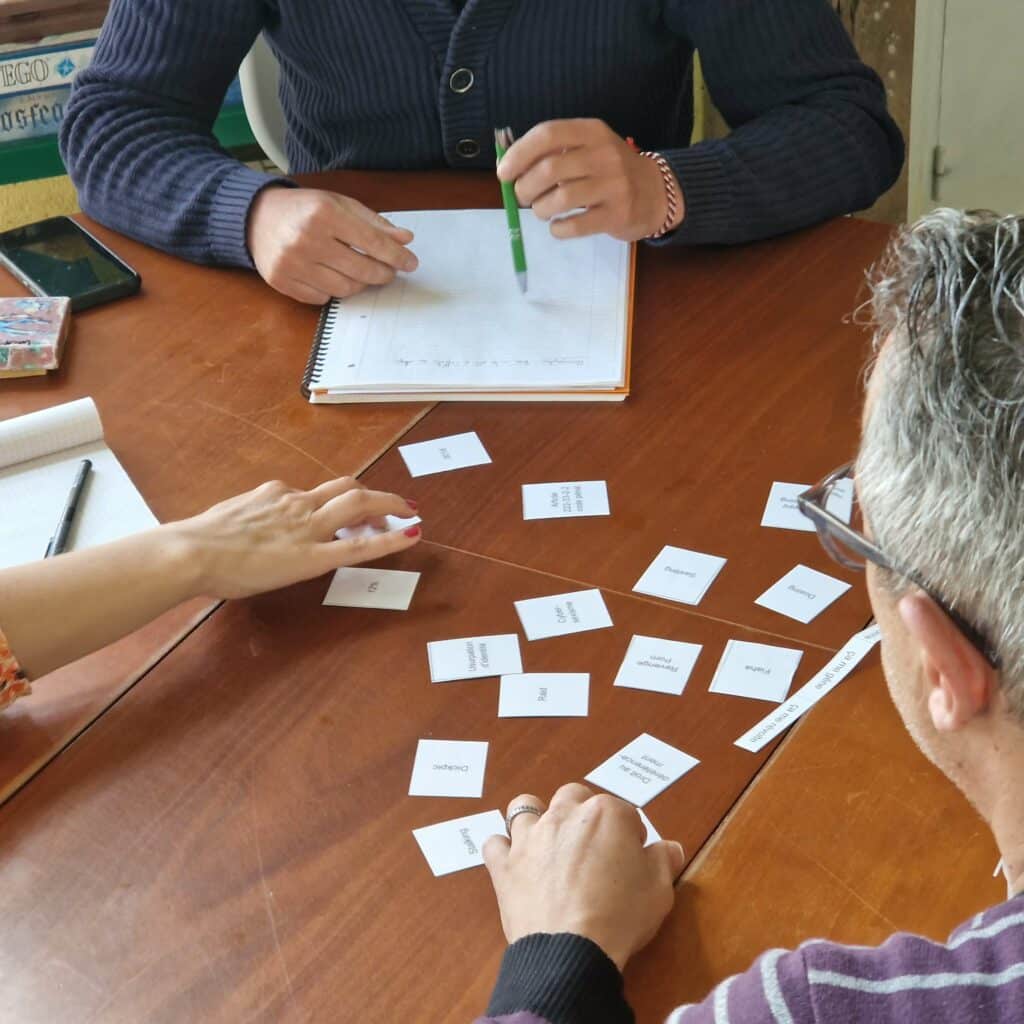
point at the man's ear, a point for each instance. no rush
(960, 682)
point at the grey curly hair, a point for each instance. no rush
(940, 474)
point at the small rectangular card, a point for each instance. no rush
(563, 501)
(758, 671)
(680, 575)
(449, 768)
(783, 513)
(652, 833)
(662, 666)
(372, 588)
(391, 525)
(474, 657)
(458, 844)
(444, 453)
(803, 593)
(642, 769)
(544, 695)
(561, 614)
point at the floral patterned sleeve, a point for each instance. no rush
(13, 683)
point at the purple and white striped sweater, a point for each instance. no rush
(977, 976)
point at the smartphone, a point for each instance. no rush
(59, 257)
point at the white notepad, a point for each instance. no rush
(39, 455)
(458, 327)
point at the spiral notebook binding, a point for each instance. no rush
(317, 354)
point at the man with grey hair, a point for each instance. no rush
(940, 482)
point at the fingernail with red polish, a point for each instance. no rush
(413, 531)
(414, 505)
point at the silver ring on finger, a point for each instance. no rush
(520, 809)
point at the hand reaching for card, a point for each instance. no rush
(581, 867)
(275, 536)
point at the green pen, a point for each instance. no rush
(503, 139)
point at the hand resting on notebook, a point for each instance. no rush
(60, 609)
(313, 245)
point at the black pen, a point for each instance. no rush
(59, 541)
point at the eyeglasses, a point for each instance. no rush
(847, 544)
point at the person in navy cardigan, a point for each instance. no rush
(406, 84)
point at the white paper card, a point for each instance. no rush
(391, 525)
(560, 614)
(652, 833)
(544, 695)
(841, 665)
(564, 501)
(642, 769)
(662, 666)
(803, 593)
(783, 513)
(444, 453)
(474, 657)
(372, 588)
(758, 671)
(680, 575)
(458, 844)
(449, 768)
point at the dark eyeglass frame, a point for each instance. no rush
(832, 530)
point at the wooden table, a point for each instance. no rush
(230, 841)
(196, 381)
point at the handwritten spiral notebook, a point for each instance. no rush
(459, 329)
(39, 455)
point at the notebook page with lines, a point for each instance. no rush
(460, 325)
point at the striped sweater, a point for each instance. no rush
(408, 84)
(976, 976)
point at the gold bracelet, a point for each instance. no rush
(670, 193)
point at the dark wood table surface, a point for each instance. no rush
(231, 839)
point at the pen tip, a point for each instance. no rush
(521, 281)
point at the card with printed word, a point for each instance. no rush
(449, 768)
(642, 769)
(803, 594)
(783, 513)
(758, 671)
(372, 588)
(544, 695)
(564, 501)
(458, 451)
(474, 657)
(661, 666)
(561, 614)
(458, 844)
(680, 575)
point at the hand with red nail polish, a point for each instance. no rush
(275, 536)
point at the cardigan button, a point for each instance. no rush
(461, 81)
(468, 149)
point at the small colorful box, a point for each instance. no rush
(32, 334)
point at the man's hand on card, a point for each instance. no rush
(581, 867)
(313, 245)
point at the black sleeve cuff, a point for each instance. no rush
(566, 979)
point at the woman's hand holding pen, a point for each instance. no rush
(560, 166)
(312, 245)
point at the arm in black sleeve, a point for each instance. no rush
(811, 137)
